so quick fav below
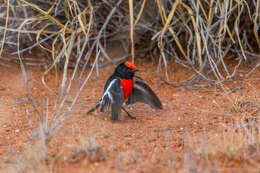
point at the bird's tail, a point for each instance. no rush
(94, 108)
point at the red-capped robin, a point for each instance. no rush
(123, 86)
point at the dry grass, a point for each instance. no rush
(201, 36)
(84, 152)
(238, 141)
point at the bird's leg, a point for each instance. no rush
(128, 114)
(94, 108)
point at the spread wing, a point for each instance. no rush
(113, 96)
(143, 93)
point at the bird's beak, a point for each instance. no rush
(136, 70)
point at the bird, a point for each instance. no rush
(123, 86)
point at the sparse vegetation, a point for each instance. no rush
(68, 41)
(238, 140)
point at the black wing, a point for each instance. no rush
(113, 96)
(143, 93)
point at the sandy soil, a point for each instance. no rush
(167, 140)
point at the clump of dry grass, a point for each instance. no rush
(239, 141)
(87, 150)
(34, 159)
(126, 158)
(84, 152)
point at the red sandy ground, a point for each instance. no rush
(157, 141)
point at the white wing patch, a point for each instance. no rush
(113, 98)
(107, 92)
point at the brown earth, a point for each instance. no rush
(168, 140)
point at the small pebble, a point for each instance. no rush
(17, 130)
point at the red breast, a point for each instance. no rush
(127, 85)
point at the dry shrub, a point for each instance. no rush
(199, 35)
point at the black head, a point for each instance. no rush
(125, 70)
